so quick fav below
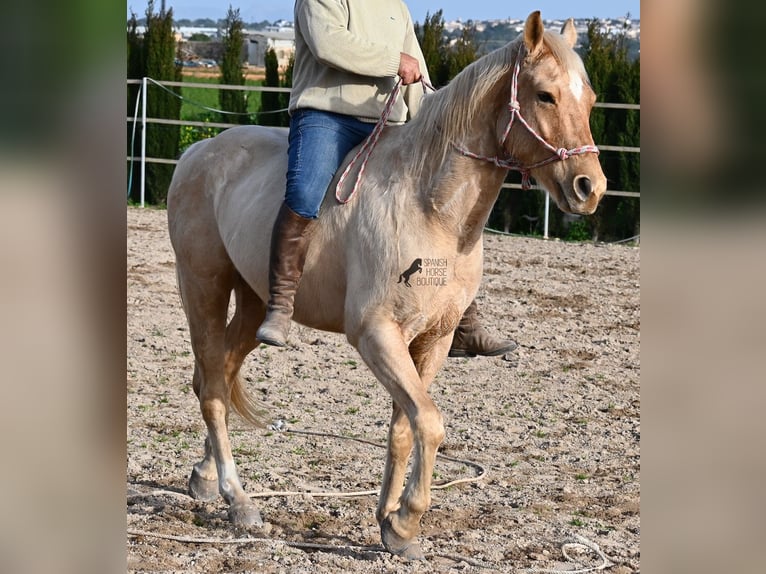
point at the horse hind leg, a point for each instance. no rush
(203, 482)
(240, 341)
(206, 298)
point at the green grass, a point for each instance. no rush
(194, 98)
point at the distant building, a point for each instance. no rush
(187, 32)
(281, 40)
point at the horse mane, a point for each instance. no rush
(446, 115)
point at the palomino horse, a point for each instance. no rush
(426, 194)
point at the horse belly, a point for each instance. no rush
(321, 297)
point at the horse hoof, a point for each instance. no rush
(202, 488)
(395, 544)
(245, 515)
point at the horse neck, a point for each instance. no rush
(461, 190)
(462, 199)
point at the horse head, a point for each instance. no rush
(548, 134)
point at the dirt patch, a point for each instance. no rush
(556, 426)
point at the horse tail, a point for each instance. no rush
(246, 405)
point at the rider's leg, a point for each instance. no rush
(318, 142)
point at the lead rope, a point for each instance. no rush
(560, 154)
(370, 142)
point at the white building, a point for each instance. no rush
(282, 41)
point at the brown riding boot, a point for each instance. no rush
(471, 338)
(289, 244)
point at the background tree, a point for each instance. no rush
(462, 52)
(615, 78)
(444, 58)
(154, 56)
(433, 44)
(272, 101)
(287, 82)
(232, 68)
(136, 59)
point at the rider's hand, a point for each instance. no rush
(409, 69)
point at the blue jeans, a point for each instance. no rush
(318, 142)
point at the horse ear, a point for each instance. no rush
(533, 32)
(569, 32)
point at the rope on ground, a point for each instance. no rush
(299, 545)
(481, 473)
(252, 539)
(635, 238)
(576, 542)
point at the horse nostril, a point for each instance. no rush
(583, 187)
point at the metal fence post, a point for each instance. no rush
(143, 139)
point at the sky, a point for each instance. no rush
(271, 10)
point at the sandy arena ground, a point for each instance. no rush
(555, 426)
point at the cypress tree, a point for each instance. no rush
(462, 52)
(160, 64)
(629, 91)
(232, 68)
(136, 66)
(287, 82)
(615, 78)
(271, 101)
(433, 44)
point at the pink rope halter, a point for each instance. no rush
(559, 154)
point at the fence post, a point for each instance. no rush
(143, 139)
(547, 209)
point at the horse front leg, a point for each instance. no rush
(400, 441)
(385, 352)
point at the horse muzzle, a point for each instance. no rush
(581, 192)
(585, 193)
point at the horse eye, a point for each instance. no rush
(546, 97)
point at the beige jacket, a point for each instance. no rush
(347, 55)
